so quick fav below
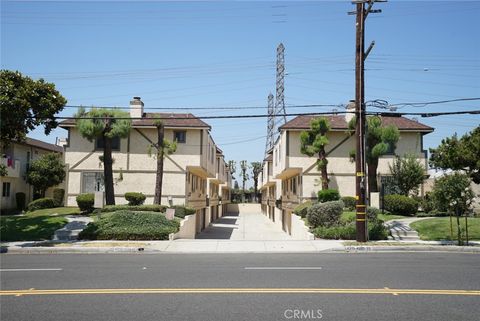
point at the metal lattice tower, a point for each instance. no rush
(270, 124)
(280, 99)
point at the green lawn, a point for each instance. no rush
(34, 226)
(350, 217)
(439, 228)
(29, 228)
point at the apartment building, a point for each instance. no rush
(17, 156)
(186, 172)
(294, 177)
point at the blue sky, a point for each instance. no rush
(212, 54)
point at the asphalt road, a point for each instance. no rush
(375, 286)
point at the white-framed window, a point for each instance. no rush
(180, 136)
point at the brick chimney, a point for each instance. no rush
(350, 109)
(136, 108)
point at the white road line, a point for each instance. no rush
(26, 270)
(283, 268)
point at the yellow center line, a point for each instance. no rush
(240, 291)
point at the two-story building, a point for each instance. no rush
(17, 156)
(295, 177)
(186, 172)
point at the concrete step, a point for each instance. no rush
(404, 233)
(404, 238)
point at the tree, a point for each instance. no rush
(45, 172)
(104, 124)
(459, 154)
(313, 142)
(407, 174)
(453, 193)
(245, 177)
(163, 147)
(379, 141)
(232, 166)
(256, 170)
(26, 104)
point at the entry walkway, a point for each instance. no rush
(253, 226)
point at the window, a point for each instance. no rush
(390, 150)
(92, 182)
(180, 136)
(6, 189)
(295, 185)
(99, 143)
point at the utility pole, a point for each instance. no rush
(360, 128)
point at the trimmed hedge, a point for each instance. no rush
(376, 231)
(372, 214)
(182, 211)
(325, 214)
(349, 202)
(41, 203)
(20, 199)
(302, 209)
(85, 202)
(135, 198)
(129, 225)
(137, 208)
(328, 195)
(400, 205)
(58, 194)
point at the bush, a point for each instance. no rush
(20, 199)
(400, 205)
(427, 204)
(58, 194)
(328, 195)
(182, 211)
(40, 204)
(129, 225)
(301, 209)
(349, 202)
(372, 214)
(376, 231)
(137, 208)
(135, 198)
(85, 202)
(325, 214)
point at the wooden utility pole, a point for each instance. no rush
(360, 128)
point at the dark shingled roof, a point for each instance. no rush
(337, 122)
(170, 120)
(42, 145)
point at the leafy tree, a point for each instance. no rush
(235, 186)
(459, 154)
(232, 166)
(407, 173)
(3, 170)
(453, 193)
(256, 170)
(105, 124)
(163, 147)
(26, 104)
(245, 177)
(313, 143)
(46, 171)
(379, 140)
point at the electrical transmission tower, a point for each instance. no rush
(270, 124)
(279, 98)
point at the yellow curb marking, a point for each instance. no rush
(240, 291)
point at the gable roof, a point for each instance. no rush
(178, 120)
(337, 122)
(41, 144)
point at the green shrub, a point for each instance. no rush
(400, 205)
(41, 203)
(85, 202)
(325, 214)
(328, 195)
(433, 213)
(349, 202)
(427, 204)
(301, 209)
(376, 231)
(372, 214)
(20, 199)
(129, 225)
(58, 194)
(182, 211)
(135, 198)
(137, 208)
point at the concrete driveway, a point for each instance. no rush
(246, 225)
